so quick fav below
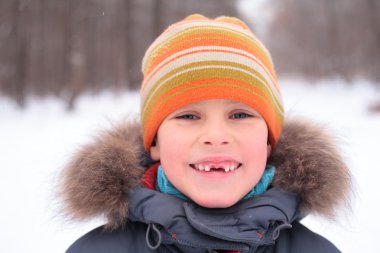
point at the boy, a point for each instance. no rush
(211, 173)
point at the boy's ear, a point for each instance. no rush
(155, 150)
(269, 150)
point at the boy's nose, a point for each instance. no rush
(215, 135)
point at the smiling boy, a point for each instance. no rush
(220, 148)
(216, 169)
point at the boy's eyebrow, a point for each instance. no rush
(232, 102)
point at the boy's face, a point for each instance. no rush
(214, 151)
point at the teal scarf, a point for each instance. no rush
(166, 187)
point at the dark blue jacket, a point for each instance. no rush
(163, 223)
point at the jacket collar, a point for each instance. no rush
(248, 224)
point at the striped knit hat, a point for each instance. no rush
(198, 59)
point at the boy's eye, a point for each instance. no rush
(187, 117)
(240, 115)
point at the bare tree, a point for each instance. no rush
(326, 38)
(64, 48)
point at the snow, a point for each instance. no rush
(38, 141)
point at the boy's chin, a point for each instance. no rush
(218, 202)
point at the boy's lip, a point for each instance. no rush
(216, 159)
(223, 163)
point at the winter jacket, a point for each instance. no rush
(105, 178)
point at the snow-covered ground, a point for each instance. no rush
(36, 142)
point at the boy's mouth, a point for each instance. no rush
(216, 166)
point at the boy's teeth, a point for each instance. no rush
(207, 167)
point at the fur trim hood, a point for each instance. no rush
(97, 180)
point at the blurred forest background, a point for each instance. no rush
(67, 47)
